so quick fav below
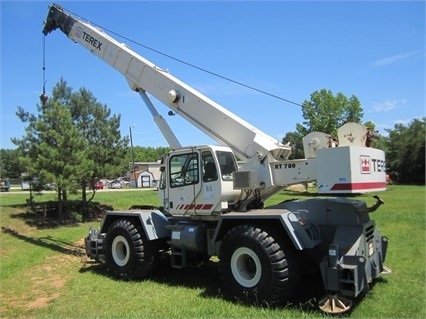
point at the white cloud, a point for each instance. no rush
(394, 59)
(386, 106)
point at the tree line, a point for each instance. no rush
(74, 139)
(12, 168)
(404, 145)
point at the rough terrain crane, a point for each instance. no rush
(213, 206)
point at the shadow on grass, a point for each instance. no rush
(21, 206)
(37, 221)
(205, 276)
(48, 242)
(45, 215)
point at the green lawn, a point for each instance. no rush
(41, 274)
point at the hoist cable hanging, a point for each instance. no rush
(43, 96)
(196, 67)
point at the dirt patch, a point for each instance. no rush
(49, 279)
(46, 282)
(298, 187)
(41, 302)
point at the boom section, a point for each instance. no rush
(223, 126)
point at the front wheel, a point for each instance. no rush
(127, 251)
(257, 265)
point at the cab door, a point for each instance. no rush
(184, 182)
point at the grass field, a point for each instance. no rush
(42, 275)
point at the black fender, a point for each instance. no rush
(301, 233)
(153, 222)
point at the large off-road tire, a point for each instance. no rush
(257, 266)
(127, 251)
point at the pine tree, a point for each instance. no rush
(71, 141)
(53, 148)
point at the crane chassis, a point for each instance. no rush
(213, 205)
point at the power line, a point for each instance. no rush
(197, 67)
(206, 71)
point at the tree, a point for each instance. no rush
(52, 147)
(147, 154)
(106, 152)
(9, 163)
(296, 142)
(71, 141)
(324, 113)
(405, 156)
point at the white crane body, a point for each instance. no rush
(211, 206)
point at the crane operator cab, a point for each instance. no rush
(198, 181)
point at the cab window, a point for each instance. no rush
(209, 167)
(227, 164)
(184, 169)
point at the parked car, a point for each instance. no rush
(98, 185)
(4, 185)
(115, 184)
(50, 186)
(105, 181)
(123, 182)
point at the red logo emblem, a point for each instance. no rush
(365, 164)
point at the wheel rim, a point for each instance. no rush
(120, 250)
(246, 267)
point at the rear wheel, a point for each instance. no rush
(257, 265)
(127, 251)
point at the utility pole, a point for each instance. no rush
(133, 157)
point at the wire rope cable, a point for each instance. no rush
(190, 64)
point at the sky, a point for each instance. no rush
(374, 50)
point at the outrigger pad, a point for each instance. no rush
(334, 304)
(386, 270)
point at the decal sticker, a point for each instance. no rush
(365, 164)
(209, 193)
(78, 32)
